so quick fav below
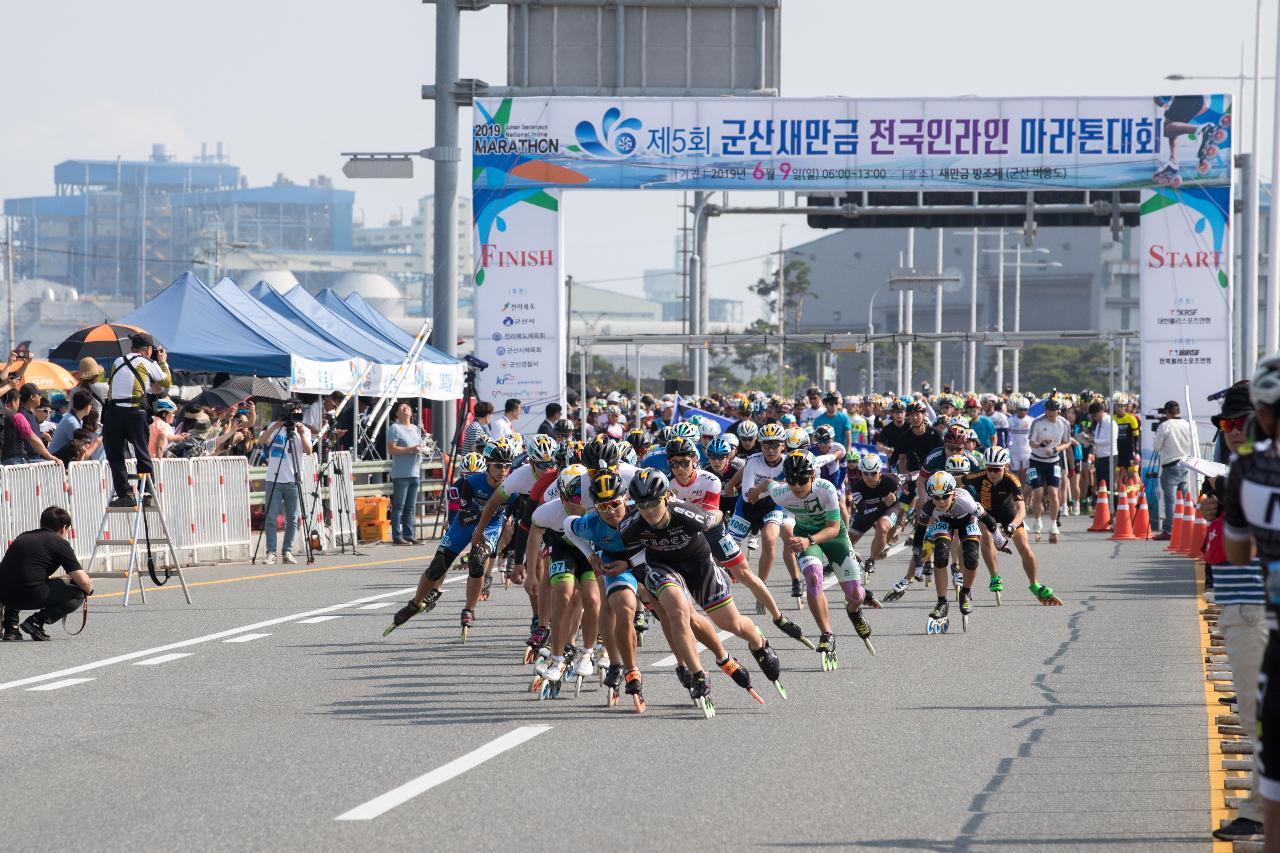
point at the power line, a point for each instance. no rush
(641, 277)
(179, 261)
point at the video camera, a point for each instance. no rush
(478, 364)
(290, 412)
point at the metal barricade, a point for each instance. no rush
(220, 507)
(88, 488)
(28, 489)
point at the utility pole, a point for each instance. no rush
(782, 310)
(973, 318)
(568, 316)
(447, 156)
(1000, 317)
(909, 316)
(937, 320)
(8, 279)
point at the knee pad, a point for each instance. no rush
(970, 548)
(440, 564)
(475, 562)
(853, 591)
(941, 552)
(811, 568)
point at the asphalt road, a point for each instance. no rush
(259, 716)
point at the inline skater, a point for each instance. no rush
(818, 537)
(1000, 494)
(1049, 436)
(951, 509)
(673, 535)
(748, 434)
(472, 493)
(874, 504)
(1019, 438)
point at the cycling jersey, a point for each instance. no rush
(1019, 435)
(812, 512)
(471, 493)
(937, 461)
(999, 498)
(702, 491)
(1045, 436)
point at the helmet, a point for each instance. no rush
(696, 420)
(870, 464)
(797, 439)
(602, 452)
(501, 452)
(647, 485)
(613, 409)
(996, 456)
(685, 429)
(953, 435)
(772, 433)
(628, 453)
(568, 453)
(744, 408)
(572, 483)
(482, 444)
(759, 407)
(957, 463)
(940, 484)
(1019, 403)
(798, 466)
(639, 438)
(897, 406)
(730, 439)
(664, 435)
(606, 486)
(915, 406)
(709, 428)
(563, 427)
(1264, 388)
(517, 442)
(471, 463)
(971, 434)
(824, 433)
(747, 430)
(542, 450)
(681, 446)
(718, 448)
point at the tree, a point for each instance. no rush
(674, 370)
(798, 291)
(1065, 367)
(605, 374)
(755, 359)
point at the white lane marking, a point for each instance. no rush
(315, 619)
(457, 578)
(66, 682)
(388, 801)
(195, 641)
(670, 660)
(246, 638)
(378, 605)
(162, 659)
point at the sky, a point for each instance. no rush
(286, 85)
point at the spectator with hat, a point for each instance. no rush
(125, 421)
(88, 378)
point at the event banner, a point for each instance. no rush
(842, 143)
(519, 302)
(1185, 302)
(422, 379)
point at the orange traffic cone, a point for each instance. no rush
(1142, 519)
(1199, 528)
(1123, 530)
(1101, 510)
(1178, 539)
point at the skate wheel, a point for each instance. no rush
(1203, 166)
(1176, 183)
(999, 598)
(754, 695)
(1211, 151)
(577, 687)
(464, 634)
(929, 627)
(964, 623)
(946, 626)
(799, 603)
(544, 692)
(639, 639)
(535, 684)
(613, 696)
(555, 689)
(782, 691)
(638, 702)
(1225, 121)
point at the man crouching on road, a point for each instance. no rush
(26, 582)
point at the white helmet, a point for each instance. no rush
(870, 464)
(957, 463)
(940, 484)
(996, 456)
(1264, 388)
(686, 429)
(730, 439)
(709, 428)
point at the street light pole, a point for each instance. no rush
(444, 280)
(1000, 316)
(907, 350)
(1017, 314)
(937, 321)
(782, 312)
(1272, 325)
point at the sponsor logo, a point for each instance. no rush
(508, 321)
(497, 336)
(504, 379)
(1158, 257)
(502, 350)
(614, 138)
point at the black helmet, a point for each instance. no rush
(601, 452)
(823, 433)
(640, 439)
(500, 452)
(665, 434)
(606, 486)
(568, 453)
(798, 466)
(681, 447)
(564, 425)
(648, 485)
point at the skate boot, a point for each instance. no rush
(1210, 136)
(684, 676)
(767, 660)
(827, 651)
(938, 620)
(861, 628)
(996, 587)
(792, 630)
(634, 690)
(797, 592)
(966, 606)
(465, 621)
(900, 588)
(1167, 176)
(552, 676)
(957, 580)
(869, 567)
(641, 625)
(1053, 534)
(753, 543)
(533, 623)
(1045, 595)
(600, 657)
(612, 678)
(538, 639)
(700, 692)
(740, 676)
(410, 610)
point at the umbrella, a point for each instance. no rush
(45, 375)
(103, 341)
(218, 398)
(258, 387)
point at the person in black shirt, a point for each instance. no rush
(548, 425)
(26, 581)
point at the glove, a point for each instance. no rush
(1001, 541)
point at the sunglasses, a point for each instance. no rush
(505, 466)
(1233, 424)
(616, 503)
(653, 504)
(681, 463)
(995, 468)
(797, 481)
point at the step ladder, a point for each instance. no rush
(146, 529)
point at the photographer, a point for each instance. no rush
(1175, 440)
(26, 582)
(282, 476)
(125, 416)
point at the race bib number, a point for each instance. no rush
(739, 527)
(557, 568)
(730, 547)
(938, 528)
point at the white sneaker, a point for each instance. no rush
(287, 557)
(582, 665)
(270, 559)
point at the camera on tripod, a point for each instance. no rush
(290, 412)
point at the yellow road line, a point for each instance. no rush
(172, 585)
(1218, 811)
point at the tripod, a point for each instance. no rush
(325, 478)
(290, 451)
(455, 446)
